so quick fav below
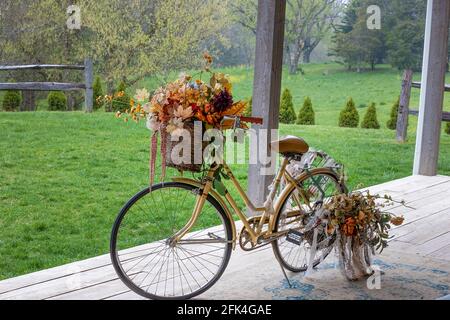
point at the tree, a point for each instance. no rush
(307, 22)
(287, 113)
(392, 122)
(11, 100)
(406, 25)
(248, 109)
(57, 101)
(349, 116)
(447, 128)
(356, 44)
(127, 40)
(306, 114)
(98, 92)
(370, 120)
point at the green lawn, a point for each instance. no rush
(64, 176)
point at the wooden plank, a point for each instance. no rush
(41, 66)
(266, 90)
(435, 244)
(443, 253)
(46, 275)
(403, 107)
(416, 84)
(436, 224)
(435, 58)
(42, 86)
(445, 115)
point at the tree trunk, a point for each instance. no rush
(293, 62)
(307, 56)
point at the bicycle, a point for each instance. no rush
(174, 240)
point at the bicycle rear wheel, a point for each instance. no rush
(295, 214)
(149, 264)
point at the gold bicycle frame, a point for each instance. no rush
(206, 187)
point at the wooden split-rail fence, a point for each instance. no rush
(87, 67)
(403, 108)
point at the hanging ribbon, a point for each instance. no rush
(153, 149)
(163, 152)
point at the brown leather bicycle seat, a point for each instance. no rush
(290, 144)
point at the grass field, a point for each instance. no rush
(64, 176)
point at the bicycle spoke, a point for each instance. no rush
(156, 266)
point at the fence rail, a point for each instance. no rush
(404, 110)
(55, 86)
(42, 66)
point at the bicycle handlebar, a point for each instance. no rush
(254, 120)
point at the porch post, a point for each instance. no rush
(266, 85)
(435, 55)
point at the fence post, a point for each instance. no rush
(403, 107)
(89, 78)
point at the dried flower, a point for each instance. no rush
(142, 95)
(396, 221)
(222, 101)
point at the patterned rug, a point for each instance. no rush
(400, 276)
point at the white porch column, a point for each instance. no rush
(435, 55)
(267, 83)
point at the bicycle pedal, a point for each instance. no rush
(295, 237)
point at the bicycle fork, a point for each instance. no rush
(199, 203)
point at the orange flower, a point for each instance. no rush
(396, 221)
(349, 227)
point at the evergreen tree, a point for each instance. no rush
(57, 101)
(349, 116)
(406, 23)
(306, 115)
(98, 92)
(248, 109)
(354, 43)
(392, 122)
(287, 112)
(12, 100)
(370, 120)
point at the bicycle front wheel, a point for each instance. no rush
(149, 263)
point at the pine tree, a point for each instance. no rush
(248, 109)
(12, 100)
(349, 116)
(392, 122)
(57, 101)
(98, 92)
(306, 114)
(370, 120)
(287, 112)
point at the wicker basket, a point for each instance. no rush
(192, 166)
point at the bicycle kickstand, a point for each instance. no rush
(284, 272)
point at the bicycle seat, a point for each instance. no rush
(290, 145)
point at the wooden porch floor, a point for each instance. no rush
(416, 264)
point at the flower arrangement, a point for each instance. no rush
(362, 226)
(175, 106)
(188, 99)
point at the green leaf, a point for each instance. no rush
(219, 187)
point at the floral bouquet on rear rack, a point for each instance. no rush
(361, 225)
(174, 108)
